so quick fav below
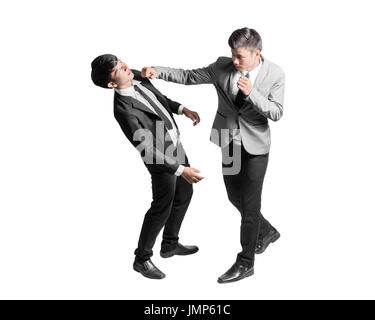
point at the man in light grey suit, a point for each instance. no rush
(250, 89)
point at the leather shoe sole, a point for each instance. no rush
(249, 273)
(171, 253)
(135, 267)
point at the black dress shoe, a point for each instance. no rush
(269, 238)
(237, 272)
(148, 269)
(180, 250)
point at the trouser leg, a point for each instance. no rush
(244, 190)
(163, 192)
(181, 201)
(252, 177)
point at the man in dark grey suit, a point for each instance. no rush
(250, 89)
(145, 116)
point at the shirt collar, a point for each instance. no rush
(128, 91)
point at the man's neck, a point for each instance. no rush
(257, 64)
(125, 86)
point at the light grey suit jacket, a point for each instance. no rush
(264, 102)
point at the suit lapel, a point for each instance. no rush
(149, 86)
(262, 73)
(140, 106)
(158, 95)
(136, 104)
(161, 99)
(260, 76)
(226, 76)
(224, 83)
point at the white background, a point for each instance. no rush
(74, 191)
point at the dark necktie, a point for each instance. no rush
(240, 98)
(160, 113)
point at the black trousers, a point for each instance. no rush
(171, 196)
(244, 191)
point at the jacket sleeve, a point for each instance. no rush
(187, 77)
(272, 105)
(173, 105)
(134, 131)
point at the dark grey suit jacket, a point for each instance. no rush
(133, 115)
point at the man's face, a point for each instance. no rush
(121, 75)
(245, 59)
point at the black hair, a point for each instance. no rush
(101, 68)
(245, 37)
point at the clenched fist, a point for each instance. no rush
(244, 85)
(149, 72)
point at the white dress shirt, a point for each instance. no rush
(251, 75)
(173, 133)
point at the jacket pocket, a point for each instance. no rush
(221, 114)
(258, 124)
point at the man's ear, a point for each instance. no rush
(257, 53)
(111, 84)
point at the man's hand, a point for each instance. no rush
(191, 176)
(194, 116)
(244, 85)
(149, 72)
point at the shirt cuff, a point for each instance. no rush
(179, 170)
(181, 107)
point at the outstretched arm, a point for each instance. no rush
(178, 108)
(187, 77)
